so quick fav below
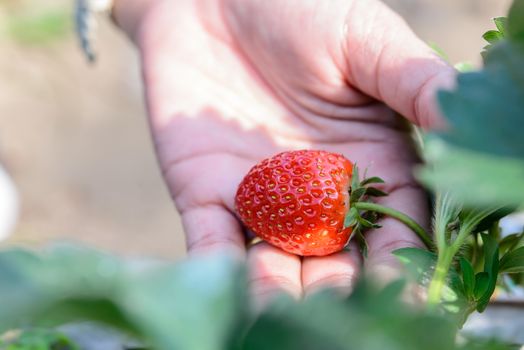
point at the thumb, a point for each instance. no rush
(386, 60)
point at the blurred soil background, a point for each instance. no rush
(75, 138)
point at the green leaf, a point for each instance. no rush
(513, 261)
(418, 262)
(477, 178)
(367, 223)
(481, 284)
(356, 194)
(516, 21)
(491, 254)
(492, 36)
(375, 192)
(501, 23)
(491, 268)
(493, 218)
(482, 96)
(511, 241)
(468, 277)
(351, 217)
(372, 180)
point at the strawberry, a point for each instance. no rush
(310, 202)
(298, 201)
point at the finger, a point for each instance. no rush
(337, 271)
(213, 228)
(393, 235)
(271, 272)
(389, 62)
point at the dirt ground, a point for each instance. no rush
(75, 137)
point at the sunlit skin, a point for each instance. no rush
(229, 83)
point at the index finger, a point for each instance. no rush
(389, 62)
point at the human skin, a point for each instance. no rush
(230, 82)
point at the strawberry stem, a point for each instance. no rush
(406, 220)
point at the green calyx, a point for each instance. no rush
(363, 214)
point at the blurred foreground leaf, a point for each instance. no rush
(487, 105)
(196, 304)
(191, 305)
(419, 263)
(37, 339)
(486, 179)
(367, 320)
(370, 319)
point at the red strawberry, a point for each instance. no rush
(298, 201)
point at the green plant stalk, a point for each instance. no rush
(446, 255)
(444, 213)
(494, 230)
(438, 281)
(444, 261)
(406, 220)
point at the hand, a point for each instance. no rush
(231, 82)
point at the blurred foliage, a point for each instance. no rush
(39, 27)
(37, 339)
(168, 305)
(481, 157)
(203, 304)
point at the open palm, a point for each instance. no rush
(231, 82)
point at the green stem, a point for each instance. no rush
(494, 230)
(439, 277)
(406, 220)
(444, 261)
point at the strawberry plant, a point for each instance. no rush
(475, 169)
